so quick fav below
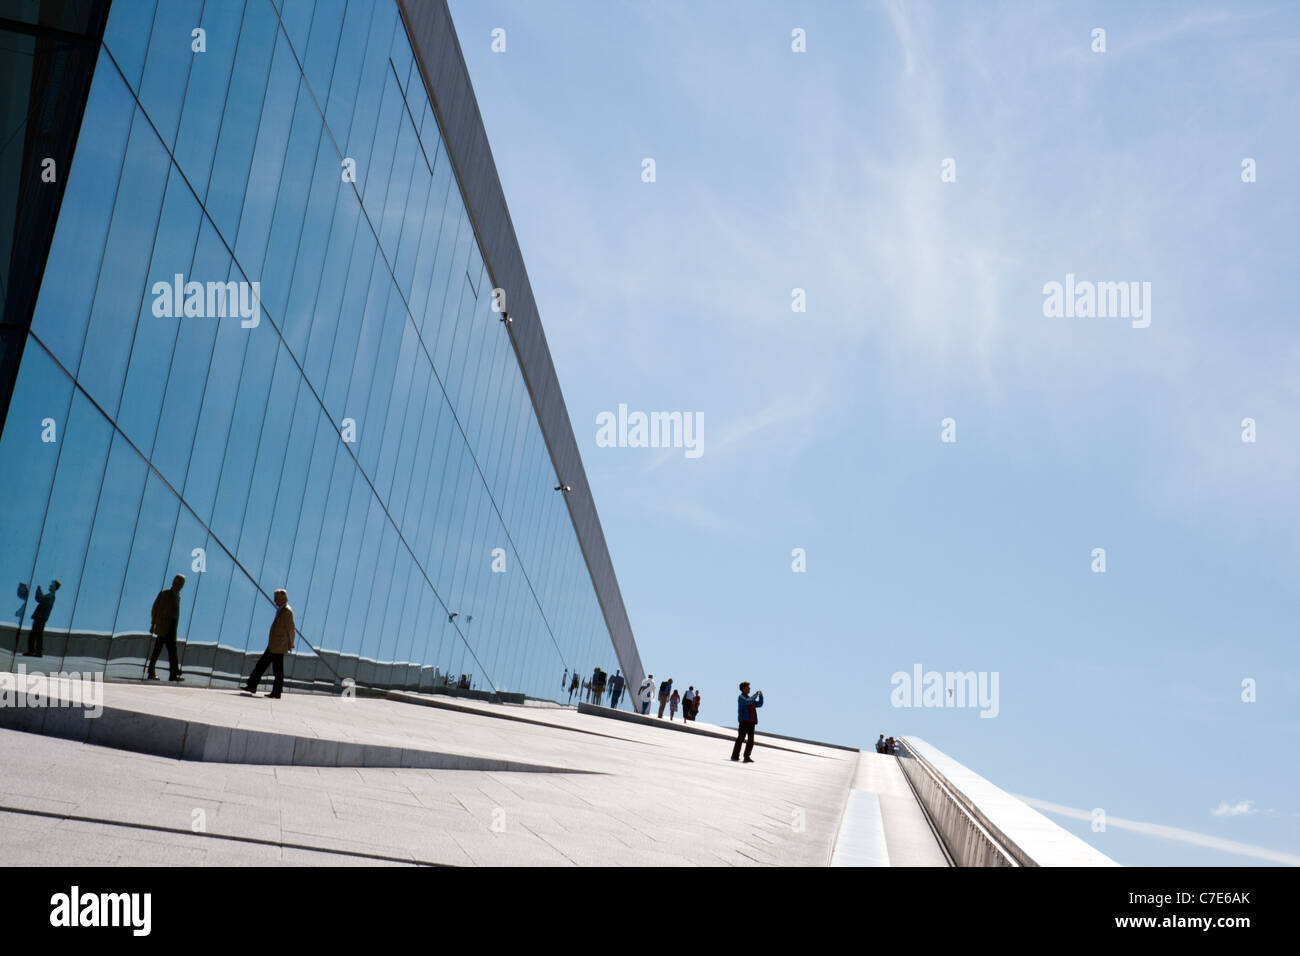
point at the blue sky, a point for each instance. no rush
(820, 170)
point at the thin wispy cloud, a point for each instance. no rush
(1171, 833)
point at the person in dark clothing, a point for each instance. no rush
(573, 687)
(278, 643)
(616, 685)
(747, 718)
(598, 684)
(665, 691)
(41, 614)
(166, 615)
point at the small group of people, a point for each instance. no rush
(40, 614)
(669, 698)
(688, 701)
(166, 616)
(886, 745)
(593, 689)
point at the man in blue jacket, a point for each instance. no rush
(747, 717)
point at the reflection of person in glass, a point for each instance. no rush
(41, 614)
(278, 643)
(166, 615)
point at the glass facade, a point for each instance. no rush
(264, 355)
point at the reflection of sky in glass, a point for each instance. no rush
(373, 310)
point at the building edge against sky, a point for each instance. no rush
(369, 434)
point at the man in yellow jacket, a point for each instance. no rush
(278, 643)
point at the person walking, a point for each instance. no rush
(665, 689)
(573, 687)
(598, 684)
(747, 718)
(672, 706)
(880, 744)
(645, 693)
(166, 615)
(688, 700)
(278, 643)
(41, 614)
(616, 685)
(695, 705)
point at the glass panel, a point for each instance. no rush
(383, 378)
(72, 270)
(400, 53)
(394, 423)
(125, 269)
(392, 209)
(239, 642)
(362, 284)
(246, 425)
(106, 559)
(219, 400)
(320, 471)
(205, 97)
(187, 547)
(207, 592)
(270, 440)
(260, 194)
(293, 479)
(167, 67)
(248, 79)
(130, 23)
(65, 538)
(329, 224)
(155, 336)
(360, 589)
(380, 602)
(347, 70)
(195, 339)
(147, 573)
(314, 614)
(287, 228)
(324, 43)
(296, 17)
(29, 452)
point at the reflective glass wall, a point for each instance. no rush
(264, 356)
